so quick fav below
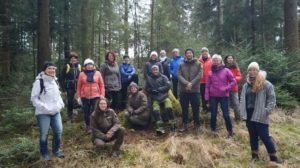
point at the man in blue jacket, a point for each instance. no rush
(128, 75)
(174, 66)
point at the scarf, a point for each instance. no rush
(215, 68)
(90, 75)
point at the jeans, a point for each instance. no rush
(45, 122)
(194, 99)
(175, 87)
(88, 108)
(261, 130)
(204, 102)
(214, 110)
(234, 102)
(70, 97)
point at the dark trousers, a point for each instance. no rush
(194, 99)
(118, 136)
(204, 102)
(113, 97)
(214, 110)
(124, 90)
(70, 99)
(260, 130)
(88, 108)
(175, 87)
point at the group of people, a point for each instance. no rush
(210, 80)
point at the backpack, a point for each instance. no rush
(69, 67)
(42, 86)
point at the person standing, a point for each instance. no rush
(258, 99)
(112, 79)
(128, 75)
(152, 61)
(158, 85)
(219, 82)
(165, 62)
(206, 62)
(230, 63)
(189, 74)
(174, 66)
(137, 113)
(106, 127)
(68, 82)
(90, 87)
(46, 98)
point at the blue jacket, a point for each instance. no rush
(174, 66)
(126, 70)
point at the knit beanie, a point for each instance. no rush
(204, 49)
(133, 84)
(189, 49)
(253, 65)
(154, 66)
(47, 64)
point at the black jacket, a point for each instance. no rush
(68, 80)
(166, 67)
(158, 87)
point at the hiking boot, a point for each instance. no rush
(198, 130)
(115, 153)
(274, 158)
(59, 154)
(160, 131)
(45, 158)
(184, 128)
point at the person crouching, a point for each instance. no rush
(106, 127)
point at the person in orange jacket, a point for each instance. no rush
(90, 87)
(230, 63)
(206, 62)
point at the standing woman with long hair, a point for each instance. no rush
(90, 88)
(112, 79)
(257, 102)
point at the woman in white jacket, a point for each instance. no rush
(46, 99)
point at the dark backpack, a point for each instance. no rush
(42, 86)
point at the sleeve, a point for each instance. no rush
(181, 77)
(271, 99)
(102, 70)
(207, 86)
(79, 85)
(199, 75)
(231, 80)
(35, 94)
(144, 104)
(161, 69)
(116, 122)
(129, 107)
(101, 85)
(96, 132)
(121, 69)
(171, 67)
(167, 85)
(238, 76)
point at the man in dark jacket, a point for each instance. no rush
(157, 86)
(189, 75)
(152, 61)
(68, 82)
(165, 62)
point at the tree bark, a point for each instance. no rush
(253, 28)
(43, 33)
(291, 25)
(126, 31)
(66, 28)
(84, 29)
(152, 26)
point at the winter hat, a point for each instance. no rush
(175, 50)
(253, 65)
(73, 54)
(204, 49)
(88, 61)
(154, 53)
(47, 64)
(154, 66)
(189, 49)
(133, 84)
(217, 56)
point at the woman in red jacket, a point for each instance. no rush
(90, 88)
(231, 64)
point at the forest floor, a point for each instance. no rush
(142, 148)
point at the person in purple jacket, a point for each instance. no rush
(220, 82)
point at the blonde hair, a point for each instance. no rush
(259, 81)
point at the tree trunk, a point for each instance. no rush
(126, 31)
(66, 28)
(84, 29)
(152, 26)
(43, 33)
(253, 28)
(291, 25)
(221, 20)
(5, 47)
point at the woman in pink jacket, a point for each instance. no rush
(220, 81)
(90, 88)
